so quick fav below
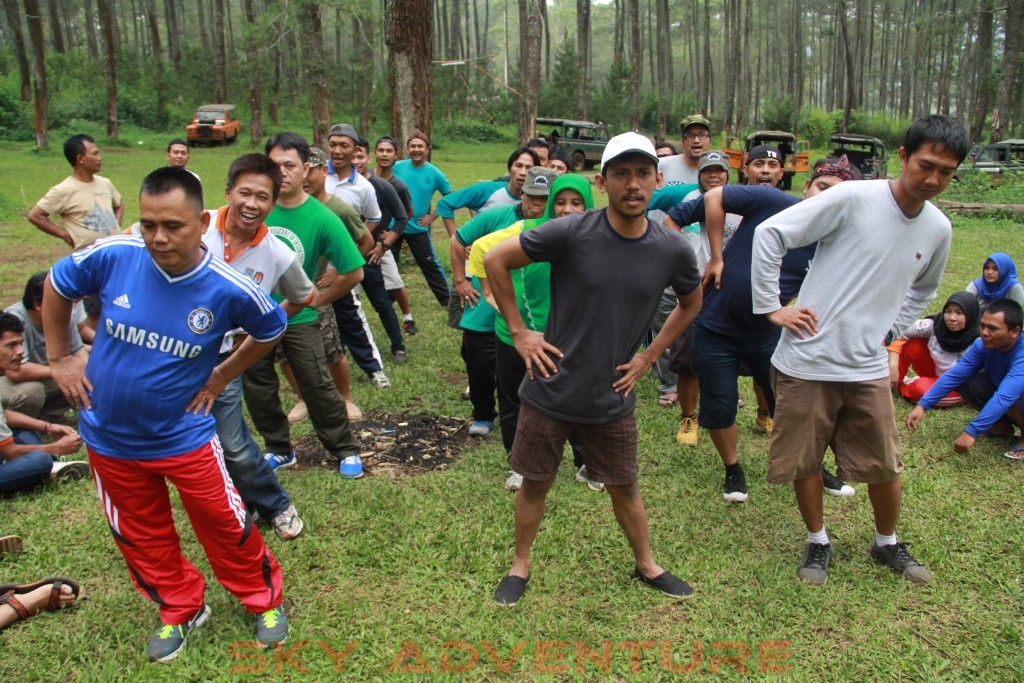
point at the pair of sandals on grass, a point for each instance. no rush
(26, 600)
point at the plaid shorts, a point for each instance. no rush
(609, 449)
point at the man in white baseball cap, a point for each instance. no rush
(608, 268)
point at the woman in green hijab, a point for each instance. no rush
(570, 193)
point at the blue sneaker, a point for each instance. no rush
(278, 462)
(481, 428)
(271, 627)
(168, 640)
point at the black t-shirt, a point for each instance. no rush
(729, 311)
(604, 292)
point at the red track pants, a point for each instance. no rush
(135, 499)
(915, 354)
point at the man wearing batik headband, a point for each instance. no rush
(727, 333)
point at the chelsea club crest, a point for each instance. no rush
(200, 320)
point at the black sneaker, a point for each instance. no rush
(735, 490)
(835, 485)
(399, 356)
(814, 568)
(901, 561)
(666, 583)
(410, 327)
(510, 590)
(169, 639)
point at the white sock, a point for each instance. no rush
(818, 537)
(407, 316)
(881, 539)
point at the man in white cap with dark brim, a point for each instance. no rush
(608, 268)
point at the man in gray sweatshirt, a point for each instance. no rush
(882, 247)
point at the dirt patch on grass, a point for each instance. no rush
(395, 444)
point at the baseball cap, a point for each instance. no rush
(345, 129)
(714, 159)
(538, 181)
(628, 143)
(317, 157)
(764, 152)
(694, 120)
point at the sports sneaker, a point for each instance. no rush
(72, 470)
(271, 627)
(510, 590)
(399, 356)
(299, 413)
(901, 561)
(666, 583)
(168, 640)
(814, 568)
(278, 462)
(764, 423)
(288, 524)
(380, 380)
(687, 434)
(481, 427)
(835, 485)
(581, 477)
(514, 481)
(354, 414)
(735, 490)
(410, 327)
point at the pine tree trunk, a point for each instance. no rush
(173, 37)
(20, 52)
(531, 31)
(109, 42)
(408, 31)
(583, 40)
(636, 64)
(220, 58)
(40, 95)
(316, 70)
(253, 67)
(983, 68)
(1014, 41)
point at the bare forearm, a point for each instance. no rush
(458, 259)
(56, 316)
(679, 319)
(248, 352)
(342, 285)
(449, 226)
(29, 372)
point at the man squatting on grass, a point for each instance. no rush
(581, 371)
(145, 399)
(882, 247)
(990, 376)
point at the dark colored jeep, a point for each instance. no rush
(214, 123)
(583, 141)
(995, 159)
(865, 152)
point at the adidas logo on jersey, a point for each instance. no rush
(122, 301)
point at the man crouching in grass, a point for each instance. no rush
(608, 269)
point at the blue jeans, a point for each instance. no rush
(255, 481)
(29, 470)
(718, 371)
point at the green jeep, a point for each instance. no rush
(583, 141)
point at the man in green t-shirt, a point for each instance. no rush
(313, 232)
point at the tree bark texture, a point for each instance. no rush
(408, 32)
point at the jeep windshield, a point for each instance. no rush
(209, 116)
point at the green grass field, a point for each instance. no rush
(407, 566)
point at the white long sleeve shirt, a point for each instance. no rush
(873, 272)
